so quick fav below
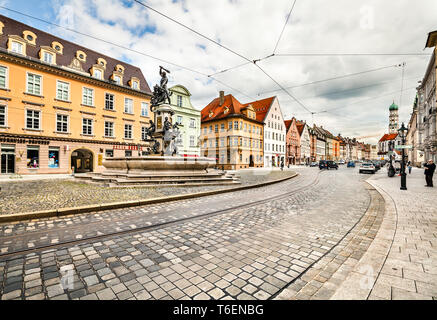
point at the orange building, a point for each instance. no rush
(64, 107)
(232, 134)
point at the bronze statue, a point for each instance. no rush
(150, 130)
(160, 93)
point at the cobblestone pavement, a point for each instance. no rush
(248, 247)
(30, 196)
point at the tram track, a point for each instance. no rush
(94, 225)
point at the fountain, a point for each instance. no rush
(161, 165)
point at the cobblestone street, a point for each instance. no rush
(23, 196)
(229, 246)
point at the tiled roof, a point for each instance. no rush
(288, 124)
(388, 137)
(13, 27)
(261, 107)
(217, 111)
(300, 126)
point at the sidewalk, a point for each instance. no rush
(401, 262)
(33, 177)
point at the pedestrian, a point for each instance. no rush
(282, 165)
(429, 172)
(410, 167)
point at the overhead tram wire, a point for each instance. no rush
(348, 54)
(336, 78)
(361, 101)
(125, 48)
(224, 47)
(286, 22)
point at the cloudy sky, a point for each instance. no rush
(353, 106)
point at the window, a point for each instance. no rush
(179, 101)
(61, 123)
(222, 142)
(144, 109)
(62, 91)
(109, 153)
(33, 84)
(98, 74)
(128, 153)
(2, 116)
(33, 119)
(88, 97)
(109, 101)
(192, 141)
(216, 128)
(179, 121)
(210, 129)
(53, 157)
(117, 79)
(48, 57)
(135, 85)
(128, 131)
(87, 127)
(109, 129)
(144, 133)
(236, 125)
(17, 47)
(3, 77)
(230, 125)
(128, 105)
(193, 123)
(33, 157)
(205, 130)
(222, 127)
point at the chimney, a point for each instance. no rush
(222, 97)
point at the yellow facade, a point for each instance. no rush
(235, 141)
(19, 100)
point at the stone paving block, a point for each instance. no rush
(106, 294)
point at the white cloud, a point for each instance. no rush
(252, 28)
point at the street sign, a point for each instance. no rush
(400, 147)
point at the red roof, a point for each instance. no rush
(300, 126)
(388, 137)
(288, 124)
(261, 107)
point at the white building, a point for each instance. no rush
(269, 112)
(188, 119)
(305, 142)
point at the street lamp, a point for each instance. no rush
(403, 133)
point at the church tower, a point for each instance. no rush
(393, 119)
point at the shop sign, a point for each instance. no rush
(24, 141)
(124, 147)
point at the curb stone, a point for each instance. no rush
(18, 217)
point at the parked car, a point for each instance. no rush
(328, 164)
(341, 162)
(367, 167)
(314, 164)
(376, 164)
(351, 164)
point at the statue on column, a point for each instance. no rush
(160, 92)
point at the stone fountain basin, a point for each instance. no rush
(158, 164)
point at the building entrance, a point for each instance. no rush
(82, 161)
(7, 159)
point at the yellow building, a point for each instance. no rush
(64, 107)
(231, 134)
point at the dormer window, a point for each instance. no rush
(211, 114)
(98, 74)
(101, 62)
(29, 37)
(48, 57)
(119, 68)
(226, 110)
(135, 85)
(81, 55)
(17, 47)
(117, 80)
(58, 47)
